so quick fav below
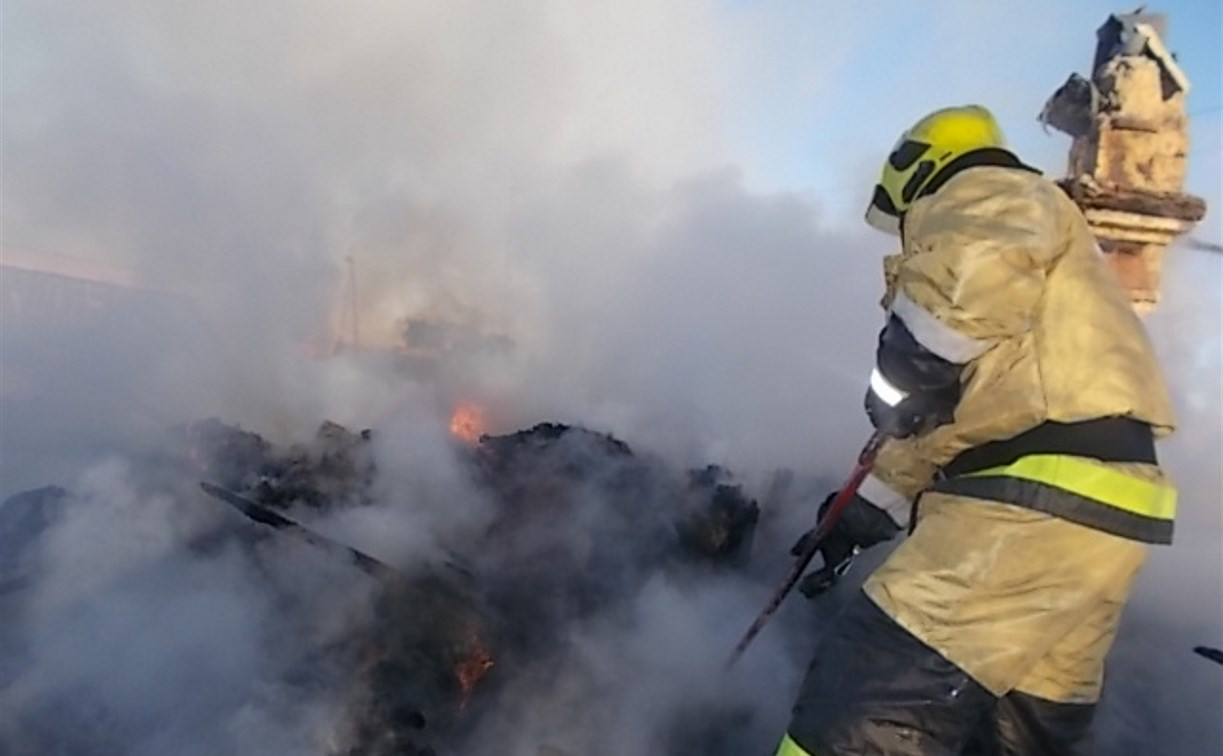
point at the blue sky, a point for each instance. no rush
(828, 104)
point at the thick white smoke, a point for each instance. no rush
(561, 176)
(1177, 603)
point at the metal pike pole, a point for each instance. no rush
(266, 516)
(866, 460)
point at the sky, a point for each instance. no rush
(648, 213)
(809, 123)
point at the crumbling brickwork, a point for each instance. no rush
(1129, 155)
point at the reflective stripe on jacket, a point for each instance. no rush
(789, 748)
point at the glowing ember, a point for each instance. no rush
(473, 668)
(467, 423)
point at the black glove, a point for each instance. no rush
(860, 526)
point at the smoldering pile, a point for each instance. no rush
(580, 524)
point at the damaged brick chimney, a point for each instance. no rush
(1128, 158)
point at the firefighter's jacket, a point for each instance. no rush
(1059, 394)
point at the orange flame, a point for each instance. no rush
(467, 423)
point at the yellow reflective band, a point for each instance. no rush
(789, 748)
(1093, 481)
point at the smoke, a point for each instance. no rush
(651, 681)
(526, 169)
(562, 183)
(1177, 603)
(136, 643)
(551, 177)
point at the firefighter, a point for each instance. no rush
(1021, 400)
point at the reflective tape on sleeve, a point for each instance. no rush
(933, 334)
(885, 390)
(886, 498)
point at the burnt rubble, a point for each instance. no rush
(333, 469)
(580, 524)
(23, 518)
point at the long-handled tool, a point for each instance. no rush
(266, 516)
(866, 460)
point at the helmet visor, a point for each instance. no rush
(882, 213)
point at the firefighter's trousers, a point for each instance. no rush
(984, 632)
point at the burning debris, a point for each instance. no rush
(467, 423)
(581, 525)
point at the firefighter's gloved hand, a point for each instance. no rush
(860, 526)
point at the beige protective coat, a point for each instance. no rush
(1000, 271)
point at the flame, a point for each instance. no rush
(467, 423)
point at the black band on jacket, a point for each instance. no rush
(1109, 439)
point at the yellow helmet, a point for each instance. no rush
(923, 151)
